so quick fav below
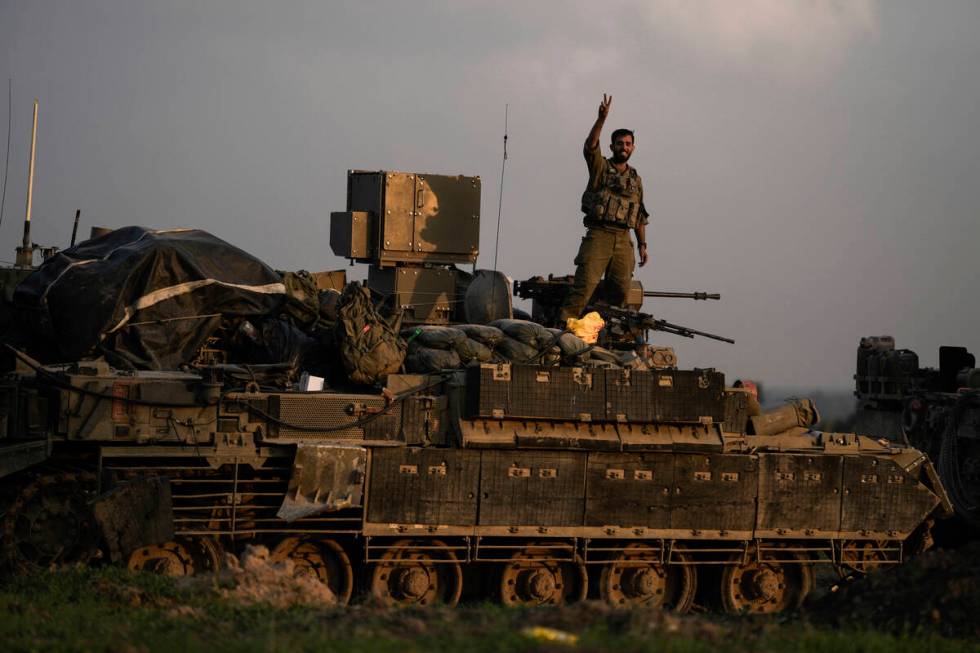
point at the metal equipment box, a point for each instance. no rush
(425, 295)
(537, 392)
(580, 395)
(416, 217)
(352, 234)
(665, 396)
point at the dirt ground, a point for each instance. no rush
(938, 591)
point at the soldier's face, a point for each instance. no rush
(622, 148)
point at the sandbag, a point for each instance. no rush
(550, 357)
(629, 360)
(470, 350)
(516, 351)
(530, 333)
(572, 347)
(434, 337)
(426, 360)
(482, 333)
(370, 348)
(603, 354)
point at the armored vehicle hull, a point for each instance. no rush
(516, 462)
(408, 495)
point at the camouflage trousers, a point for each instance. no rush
(602, 252)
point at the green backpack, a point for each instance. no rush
(370, 347)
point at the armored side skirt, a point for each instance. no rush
(644, 495)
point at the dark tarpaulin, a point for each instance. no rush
(146, 299)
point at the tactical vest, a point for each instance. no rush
(617, 200)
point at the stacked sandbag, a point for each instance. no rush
(432, 348)
(573, 349)
(482, 340)
(482, 333)
(435, 348)
(527, 342)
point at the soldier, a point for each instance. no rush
(613, 204)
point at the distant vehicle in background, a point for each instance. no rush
(936, 410)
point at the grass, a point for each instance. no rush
(114, 611)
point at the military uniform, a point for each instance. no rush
(613, 205)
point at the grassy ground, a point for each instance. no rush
(111, 610)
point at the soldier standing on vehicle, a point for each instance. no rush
(612, 204)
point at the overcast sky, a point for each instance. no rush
(817, 163)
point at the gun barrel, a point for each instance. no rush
(697, 294)
(661, 325)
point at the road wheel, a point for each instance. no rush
(535, 577)
(324, 560)
(635, 579)
(417, 572)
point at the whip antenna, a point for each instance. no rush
(500, 202)
(6, 163)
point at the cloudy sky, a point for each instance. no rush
(815, 162)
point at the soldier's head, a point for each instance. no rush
(622, 145)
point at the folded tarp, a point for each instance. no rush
(146, 299)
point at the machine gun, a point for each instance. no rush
(625, 324)
(548, 293)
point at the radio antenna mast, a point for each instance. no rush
(500, 202)
(25, 254)
(6, 163)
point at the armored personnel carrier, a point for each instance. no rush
(538, 474)
(934, 409)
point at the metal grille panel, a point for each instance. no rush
(329, 411)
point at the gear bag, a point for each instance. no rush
(369, 347)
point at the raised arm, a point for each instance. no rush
(592, 141)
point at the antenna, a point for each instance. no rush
(25, 254)
(74, 229)
(500, 206)
(6, 163)
(500, 202)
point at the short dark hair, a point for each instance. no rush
(622, 132)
